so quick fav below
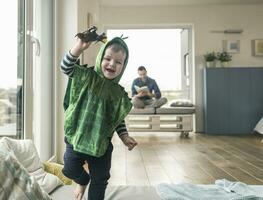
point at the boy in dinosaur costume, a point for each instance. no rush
(95, 106)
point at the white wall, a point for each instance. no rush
(91, 7)
(66, 28)
(205, 19)
(71, 18)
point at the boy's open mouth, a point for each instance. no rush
(110, 70)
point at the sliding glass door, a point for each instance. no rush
(26, 76)
(12, 51)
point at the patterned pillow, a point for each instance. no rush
(26, 154)
(15, 182)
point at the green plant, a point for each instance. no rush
(224, 56)
(210, 57)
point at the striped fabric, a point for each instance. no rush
(16, 183)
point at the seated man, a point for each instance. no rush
(145, 91)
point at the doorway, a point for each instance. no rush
(166, 53)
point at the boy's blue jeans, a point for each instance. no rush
(99, 170)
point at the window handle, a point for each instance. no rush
(186, 64)
(37, 43)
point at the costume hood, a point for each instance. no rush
(100, 55)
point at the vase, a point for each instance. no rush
(210, 64)
(225, 64)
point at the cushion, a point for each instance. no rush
(15, 181)
(175, 110)
(47, 181)
(112, 193)
(56, 169)
(26, 154)
(181, 103)
(141, 111)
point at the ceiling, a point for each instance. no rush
(174, 2)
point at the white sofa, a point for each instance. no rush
(22, 174)
(112, 193)
(22, 177)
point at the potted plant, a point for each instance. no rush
(224, 58)
(210, 59)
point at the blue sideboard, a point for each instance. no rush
(233, 99)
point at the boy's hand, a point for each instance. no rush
(128, 141)
(79, 47)
(143, 94)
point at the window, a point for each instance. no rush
(26, 78)
(12, 68)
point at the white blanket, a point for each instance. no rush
(222, 190)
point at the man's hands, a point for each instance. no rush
(128, 141)
(143, 94)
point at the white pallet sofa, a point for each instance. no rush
(172, 119)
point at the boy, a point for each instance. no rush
(95, 106)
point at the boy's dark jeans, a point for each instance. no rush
(99, 170)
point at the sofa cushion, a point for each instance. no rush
(24, 151)
(15, 181)
(175, 110)
(47, 181)
(181, 103)
(112, 193)
(26, 154)
(56, 169)
(142, 111)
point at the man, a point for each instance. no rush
(146, 98)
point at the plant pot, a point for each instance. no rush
(210, 63)
(225, 64)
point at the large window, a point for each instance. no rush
(159, 50)
(26, 77)
(12, 68)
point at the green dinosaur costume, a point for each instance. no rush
(94, 106)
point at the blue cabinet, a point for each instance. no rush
(233, 99)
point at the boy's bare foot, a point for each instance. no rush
(86, 166)
(79, 191)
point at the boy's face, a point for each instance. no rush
(112, 63)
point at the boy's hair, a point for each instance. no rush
(116, 47)
(141, 68)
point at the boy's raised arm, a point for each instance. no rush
(71, 57)
(79, 47)
(67, 63)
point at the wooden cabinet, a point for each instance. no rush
(233, 99)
